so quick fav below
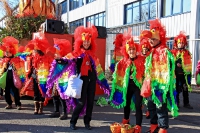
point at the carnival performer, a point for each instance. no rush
(127, 81)
(183, 68)
(1, 70)
(197, 73)
(145, 51)
(61, 48)
(117, 55)
(10, 66)
(37, 67)
(144, 43)
(88, 65)
(159, 69)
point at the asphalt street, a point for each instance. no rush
(23, 121)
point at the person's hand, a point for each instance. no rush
(57, 56)
(179, 65)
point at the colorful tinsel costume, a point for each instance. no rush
(62, 72)
(197, 74)
(117, 55)
(159, 66)
(186, 59)
(122, 73)
(41, 64)
(14, 69)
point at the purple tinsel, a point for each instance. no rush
(69, 68)
(104, 86)
(72, 103)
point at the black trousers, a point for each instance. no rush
(182, 86)
(56, 101)
(133, 90)
(37, 95)
(1, 91)
(10, 88)
(158, 115)
(87, 94)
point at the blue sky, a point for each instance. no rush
(12, 3)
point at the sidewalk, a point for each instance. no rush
(23, 121)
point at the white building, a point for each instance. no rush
(118, 15)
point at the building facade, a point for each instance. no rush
(119, 15)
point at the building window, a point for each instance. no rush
(152, 9)
(170, 43)
(75, 4)
(64, 7)
(73, 25)
(173, 7)
(97, 19)
(89, 1)
(140, 11)
(186, 5)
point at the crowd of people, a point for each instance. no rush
(148, 66)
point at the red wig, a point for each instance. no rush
(127, 43)
(10, 44)
(85, 33)
(21, 49)
(180, 38)
(118, 40)
(62, 46)
(158, 31)
(144, 39)
(39, 43)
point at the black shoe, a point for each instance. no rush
(8, 107)
(55, 114)
(19, 108)
(188, 106)
(63, 117)
(88, 127)
(72, 126)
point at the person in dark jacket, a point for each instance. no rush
(88, 65)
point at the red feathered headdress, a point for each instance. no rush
(180, 38)
(158, 31)
(39, 43)
(127, 43)
(85, 33)
(10, 44)
(144, 39)
(118, 40)
(61, 46)
(21, 49)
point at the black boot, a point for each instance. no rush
(55, 114)
(72, 126)
(88, 127)
(63, 116)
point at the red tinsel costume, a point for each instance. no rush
(183, 67)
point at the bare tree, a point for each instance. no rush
(58, 10)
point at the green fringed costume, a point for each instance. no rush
(160, 67)
(121, 80)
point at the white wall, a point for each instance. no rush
(115, 12)
(175, 24)
(89, 9)
(187, 22)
